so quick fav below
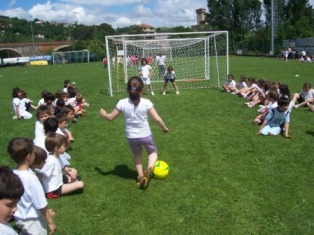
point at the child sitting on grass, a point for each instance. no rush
(62, 127)
(32, 214)
(11, 191)
(240, 85)
(305, 97)
(230, 84)
(258, 93)
(270, 103)
(276, 118)
(52, 178)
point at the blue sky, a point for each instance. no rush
(117, 13)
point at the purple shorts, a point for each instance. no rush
(137, 143)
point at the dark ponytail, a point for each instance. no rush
(135, 88)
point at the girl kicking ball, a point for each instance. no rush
(135, 110)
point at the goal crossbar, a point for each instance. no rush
(200, 59)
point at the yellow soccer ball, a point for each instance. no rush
(161, 170)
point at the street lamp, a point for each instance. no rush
(32, 32)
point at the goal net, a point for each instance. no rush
(65, 57)
(199, 59)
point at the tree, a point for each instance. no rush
(134, 29)
(239, 17)
(97, 48)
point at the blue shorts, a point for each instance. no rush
(169, 80)
(137, 143)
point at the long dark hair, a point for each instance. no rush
(135, 88)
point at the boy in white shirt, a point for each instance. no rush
(230, 84)
(11, 191)
(52, 175)
(33, 214)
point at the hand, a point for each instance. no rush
(166, 130)
(51, 212)
(52, 227)
(102, 112)
(72, 173)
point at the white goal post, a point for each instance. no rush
(200, 59)
(65, 57)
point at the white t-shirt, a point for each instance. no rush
(231, 83)
(33, 198)
(171, 75)
(136, 118)
(242, 84)
(39, 131)
(161, 60)
(41, 102)
(23, 103)
(52, 174)
(16, 102)
(145, 70)
(307, 95)
(6, 229)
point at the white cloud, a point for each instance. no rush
(141, 10)
(119, 13)
(102, 2)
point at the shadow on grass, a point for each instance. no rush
(310, 133)
(122, 171)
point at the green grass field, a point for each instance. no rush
(224, 178)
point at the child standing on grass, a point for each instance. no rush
(276, 118)
(11, 191)
(146, 71)
(32, 214)
(135, 111)
(52, 176)
(170, 76)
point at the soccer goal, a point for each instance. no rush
(200, 59)
(65, 57)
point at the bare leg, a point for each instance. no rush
(72, 187)
(138, 165)
(152, 158)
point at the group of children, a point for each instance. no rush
(69, 96)
(273, 99)
(43, 167)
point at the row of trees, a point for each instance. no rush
(249, 21)
(82, 36)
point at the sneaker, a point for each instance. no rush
(146, 178)
(296, 106)
(14, 117)
(177, 92)
(164, 93)
(138, 180)
(234, 93)
(152, 93)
